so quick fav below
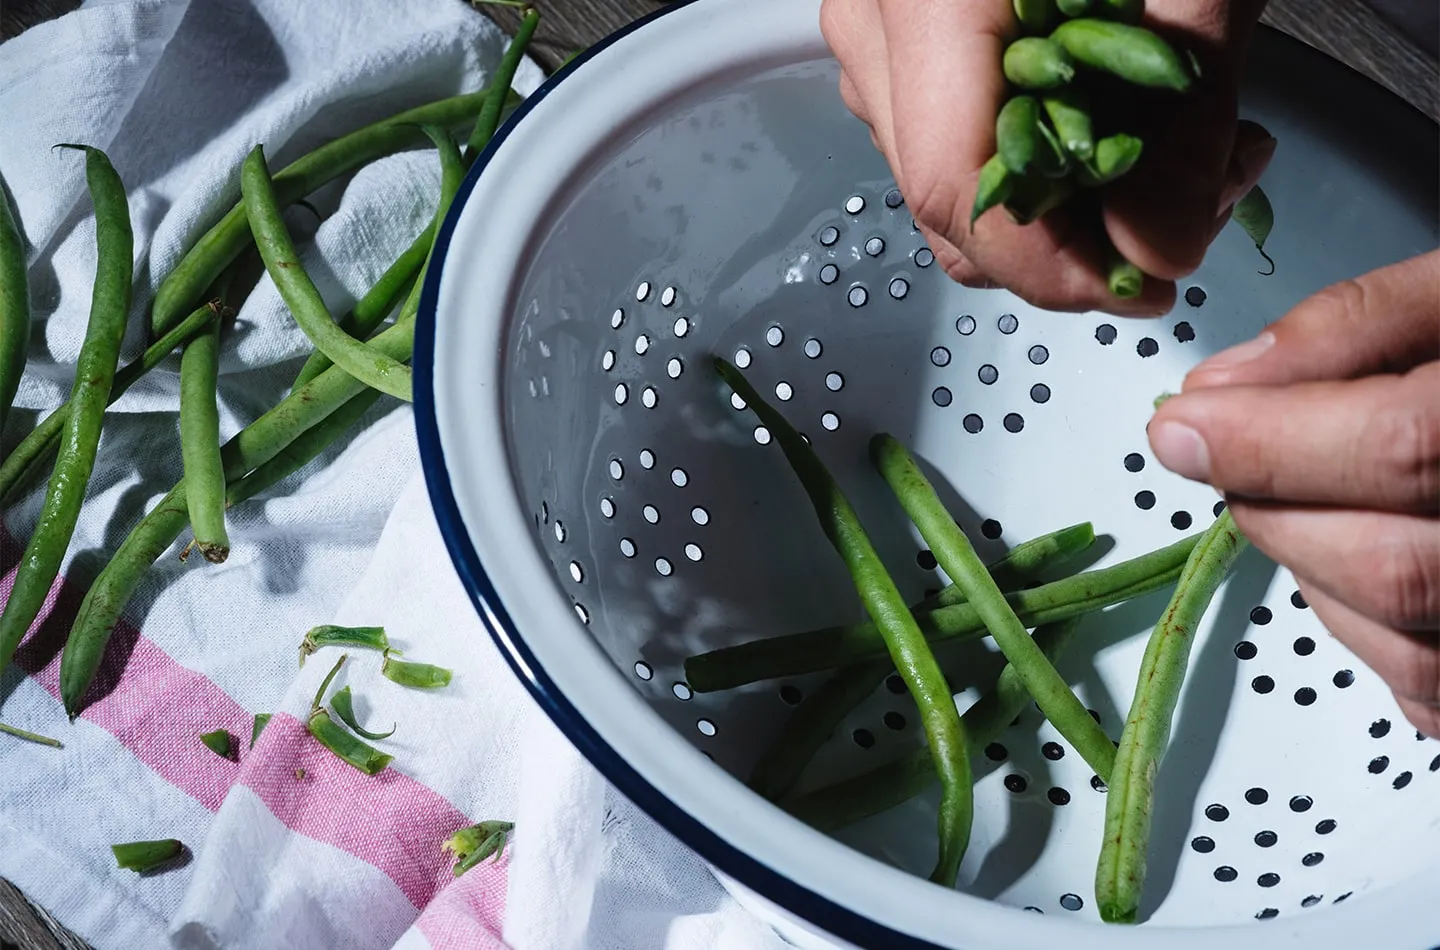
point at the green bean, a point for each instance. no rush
(1034, 62)
(1126, 11)
(815, 650)
(1034, 197)
(414, 675)
(1120, 874)
(817, 718)
(94, 372)
(217, 247)
(1132, 53)
(260, 442)
(145, 856)
(1069, 112)
(958, 558)
(1124, 279)
(31, 736)
(1022, 141)
(218, 742)
(26, 461)
(880, 789)
(282, 262)
(377, 303)
(14, 308)
(1074, 8)
(347, 748)
(1035, 16)
(332, 635)
(344, 705)
(476, 843)
(1115, 155)
(489, 119)
(1254, 213)
(993, 188)
(902, 637)
(200, 443)
(260, 721)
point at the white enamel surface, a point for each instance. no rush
(713, 191)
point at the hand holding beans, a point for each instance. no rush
(929, 79)
(1323, 433)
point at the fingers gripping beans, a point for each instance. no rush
(80, 438)
(1022, 141)
(1035, 16)
(1115, 155)
(1069, 112)
(1036, 63)
(996, 183)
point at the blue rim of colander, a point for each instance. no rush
(819, 911)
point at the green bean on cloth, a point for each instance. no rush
(14, 307)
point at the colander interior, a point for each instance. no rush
(748, 215)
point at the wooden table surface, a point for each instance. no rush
(1395, 47)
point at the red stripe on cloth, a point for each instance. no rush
(469, 913)
(157, 710)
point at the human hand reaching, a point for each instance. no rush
(926, 76)
(1323, 434)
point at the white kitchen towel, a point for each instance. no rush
(287, 847)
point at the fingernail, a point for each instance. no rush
(1241, 353)
(1181, 449)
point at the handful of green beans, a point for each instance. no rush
(1047, 145)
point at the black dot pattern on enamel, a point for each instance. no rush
(864, 738)
(1246, 650)
(1343, 678)
(1303, 646)
(996, 752)
(1134, 462)
(1008, 323)
(1105, 334)
(1268, 879)
(1217, 812)
(1435, 764)
(1098, 783)
(1267, 914)
(1310, 901)
(1145, 500)
(988, 374)
(1053, 751)
(1013, 422)
(1342, 897)
(991, 529)
(1301, 803)
(1379, 764)
(1297, 600)
(965, 325)
(1260, 616)
(1058, 796)
(1147, 347)
(1202, 844)
(1219, 507)
(1266, 839)
(1184, 332)
(895, 684)
(1325, 826)
(790, 695)
(973, 423)
(1180, 520)
(1194, 296)
(1312, 859)
(926, 560)
(1257, 796)
(1305, 696)
(1040, 393)
(1038, 354)
(1262, 684)
(1071, 901)
(1401, 781)
(893, 720)
(1379, 729)
(1016, 783)
(1226, 873)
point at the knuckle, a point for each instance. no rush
(1330, 309)
(1408, 585)
(1406, 444)
(933, 195)
(1424, 717)
(1418, 677)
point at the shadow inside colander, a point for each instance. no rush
(1199, 723)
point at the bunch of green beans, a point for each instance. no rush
(1046, 142)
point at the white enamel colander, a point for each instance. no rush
(695, 186)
